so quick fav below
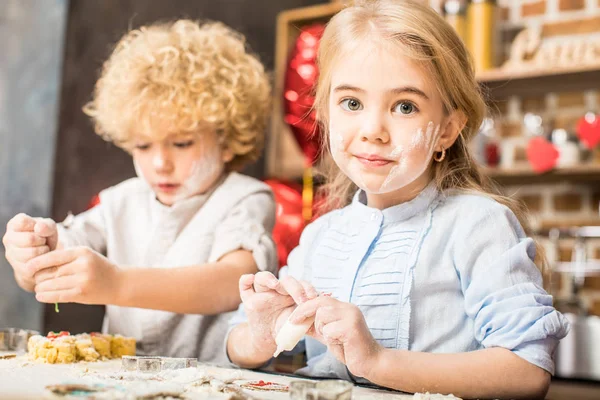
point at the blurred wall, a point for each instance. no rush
(31, 52)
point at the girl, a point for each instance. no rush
(432, 279)
(165, 251)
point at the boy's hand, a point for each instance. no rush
(268, 302)
(26, 238)
(75, 275)
(342, 327)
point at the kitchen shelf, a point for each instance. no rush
(500, 83)
(525, 175)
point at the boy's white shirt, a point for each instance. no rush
(133, 229)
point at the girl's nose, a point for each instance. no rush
(373, 129)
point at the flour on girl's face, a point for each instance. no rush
(404, 173)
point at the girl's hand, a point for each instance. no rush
(75, 275)
(342, 328)
(268, 302)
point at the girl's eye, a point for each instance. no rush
(183, 145)
(351, 105)
(142, 147)
(405, 108)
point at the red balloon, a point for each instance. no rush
(289, 222)
(300, 78)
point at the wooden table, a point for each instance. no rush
(22, 379)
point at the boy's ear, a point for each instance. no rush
(227, 155)
(454, 126)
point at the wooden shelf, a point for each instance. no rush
(502, 83)
(525, 175)
(500, 74)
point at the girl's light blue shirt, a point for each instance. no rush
(443, 273)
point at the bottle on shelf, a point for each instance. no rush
(482, 33)
(455, 12)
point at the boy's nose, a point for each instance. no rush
(162, 161)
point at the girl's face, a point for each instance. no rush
(180, 165)
(385, 123)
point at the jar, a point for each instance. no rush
(482, 35)
(455, 13)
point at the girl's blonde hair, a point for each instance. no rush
(420, 33)
(174, 77)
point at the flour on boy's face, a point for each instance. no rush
(180, 165)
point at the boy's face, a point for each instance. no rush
(180, 165)
(385, 119)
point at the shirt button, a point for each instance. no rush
(373, 216)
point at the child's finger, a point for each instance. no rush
(309, 289)
(246, 286)
(25, 254)
(326, 315)
(51, 259)
(53, 273)
(333, 335)
(264, 282)
(58, 296)
(294, 288)
(23, 239)
(46, 227)
(309, 309)
(21, 223)
(60, 283)
(334, 332)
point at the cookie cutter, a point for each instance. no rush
(15, 339)
(322, 390)
(156, 364)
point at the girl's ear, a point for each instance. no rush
(454, 126)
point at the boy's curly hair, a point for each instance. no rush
(174, 77)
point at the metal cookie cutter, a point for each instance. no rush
(322, 390)
(156, 364)
(15, 339)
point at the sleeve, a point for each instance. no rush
(502, 287)
(85, 229)
(249, 226)
(294, 267)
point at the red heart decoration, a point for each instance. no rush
(542, 155)
(588, 130)
(298, 98)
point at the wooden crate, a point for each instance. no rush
(283, 156)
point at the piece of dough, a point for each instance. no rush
(290, 334)
(122, 346)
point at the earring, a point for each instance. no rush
(440, 158)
